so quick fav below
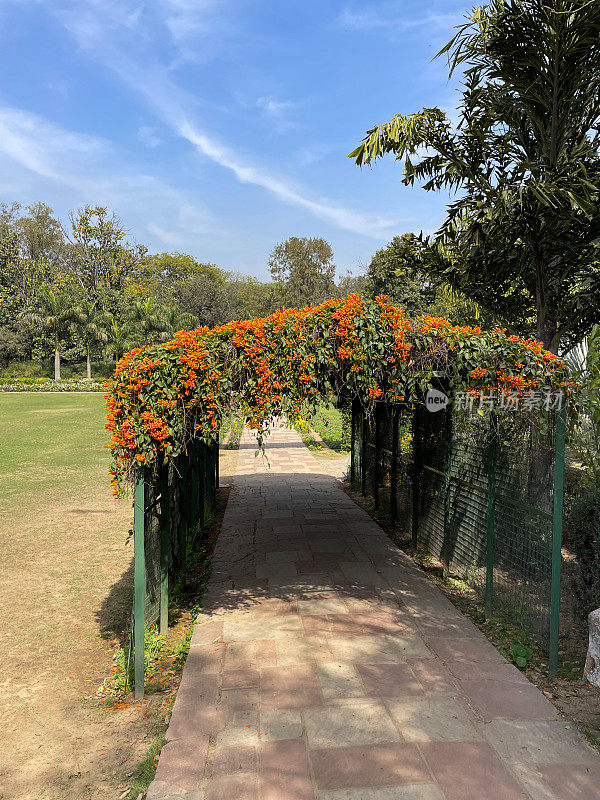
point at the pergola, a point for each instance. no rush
(166, 404)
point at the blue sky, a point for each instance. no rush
(221, 127)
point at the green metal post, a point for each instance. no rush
(447, 487)
(209, 485)
(202, 483)
(559, 486)
(209, 450)
(353, 443)
(376, 465)
(193, 484)
(492, 454)
(363, 454)
(139, 582)
(165, 541)
(416, 474)
(184, 512)
(217, 466)
(394, 466)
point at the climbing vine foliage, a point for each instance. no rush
(163, 396)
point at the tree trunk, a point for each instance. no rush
(546, 332)
(56, 365)
(540, 481)
(89, 365)
(546, 323)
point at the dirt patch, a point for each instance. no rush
(66, 588)
(59, 566)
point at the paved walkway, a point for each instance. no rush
(326, 666)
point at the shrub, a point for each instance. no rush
(17, 370)
(24, 369)
(583, 531)
(102, 369)
(77, 370)
(346, 412)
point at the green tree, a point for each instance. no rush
(146, 322)
(40, 235)
(354, 284)
(521, 237)
(162, 274)
(30, 248)
(398, 271)
(585, 427)
(9, 264)
(176, 320)
(120, 339)
(53, 311)
(249, 297)
(91, 324)
(303, 271)
(99, 259)
(210, 302)
(458, 308)
(14, 343)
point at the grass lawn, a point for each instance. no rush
(65, 579)
(328, 423)
(49, 442)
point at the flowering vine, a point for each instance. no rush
(162, 396)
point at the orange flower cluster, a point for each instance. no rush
(161, 397)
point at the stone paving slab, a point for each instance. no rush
(324, 665)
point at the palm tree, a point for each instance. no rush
(145, 321)
(119, 338)
(176, 320)
(150, 322)
(91, 323)
(522, 165)
(53, 311)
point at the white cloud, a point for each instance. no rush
(306, 156)
(114, 32)
(272, 107)
(276, 111)
(392, 17)
(189, 219)
(95, 172)
(41, 146)
(171, 103)
(342, 217)
(147, 135)
(187, 18)
(95, 22)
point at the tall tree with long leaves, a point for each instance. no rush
(53, 312)
(176, 320)
(91, 323)
(522, 233)
(146, 322)
(120, 338)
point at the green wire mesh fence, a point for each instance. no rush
(172, 506)
(482, 495)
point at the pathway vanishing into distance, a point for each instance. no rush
(326, 666)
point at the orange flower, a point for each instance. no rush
(161, 396)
